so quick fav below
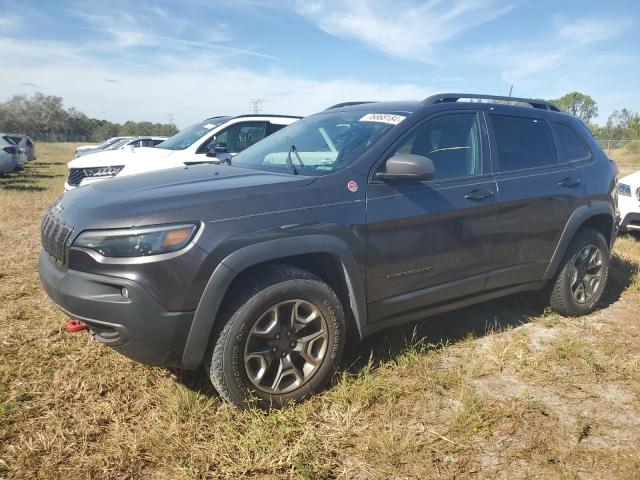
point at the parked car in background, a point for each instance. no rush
(136, 142)
(213, 140)
(629, 203)
(24, 142)
(85, 149)
(355, 219)
(9, 155)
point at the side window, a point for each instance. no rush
(570, 146)
(155, 141)
(274, 127)
(243, 135)
(523, 143)
(452, 142)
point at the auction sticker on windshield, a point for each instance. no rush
(383, 118)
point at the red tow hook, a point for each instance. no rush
(74, 326)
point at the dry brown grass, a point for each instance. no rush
(628, 160)
(501, 390)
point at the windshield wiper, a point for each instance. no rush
(292, 148)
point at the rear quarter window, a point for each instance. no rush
(570, 146)
(523, 143)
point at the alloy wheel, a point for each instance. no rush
(286, 346)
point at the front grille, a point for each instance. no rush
(75, 176)
(55, 235)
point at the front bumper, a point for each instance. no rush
(630, 222)
(134, 324)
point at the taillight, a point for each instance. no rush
(11, 150)
(614, 168)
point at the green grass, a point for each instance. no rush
(504, 390)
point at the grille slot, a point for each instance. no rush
(55, 235)
(75, 176)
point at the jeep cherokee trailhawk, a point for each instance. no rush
(365, 215)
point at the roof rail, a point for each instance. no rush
(348, 104)
(454, 97)
(263, 115)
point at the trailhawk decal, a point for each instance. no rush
(352, 186)
(383, 118)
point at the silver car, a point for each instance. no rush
(9, 155)
(86, 149)
(24, 142)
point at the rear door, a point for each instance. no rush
(536, 195)
(428, 242)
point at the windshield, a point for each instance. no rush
(107, 143)
(322, 143)
(192, 134)
(118, 144)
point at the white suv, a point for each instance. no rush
(629, 203)
(213, 140)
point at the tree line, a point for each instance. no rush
(621, 124)
(44, 118)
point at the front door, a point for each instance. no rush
(428, 242)
(236, 137)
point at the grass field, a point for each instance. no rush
(503, 390)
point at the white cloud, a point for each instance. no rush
(566, 46)
(205, 85)
(401, 28)
(10, 22)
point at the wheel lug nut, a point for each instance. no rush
(292, 344)
(288, 333)
(277, 336)
(284, 354)
(274, 349)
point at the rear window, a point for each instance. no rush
(570, 146)
(523, 143)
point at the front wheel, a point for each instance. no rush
(281, 342)
(583, 276)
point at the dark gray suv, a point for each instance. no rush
(365, 215)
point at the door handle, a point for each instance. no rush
(479, 194)
(569, 182)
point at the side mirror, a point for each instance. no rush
(407, 167)
(215, 148)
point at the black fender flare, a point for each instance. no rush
(224, 274)
(576, 220)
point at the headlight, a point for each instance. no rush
(110, 171)
(638, 193)
(137, 242)
(624, 189)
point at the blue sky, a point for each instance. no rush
(148, 60)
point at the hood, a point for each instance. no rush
(123, 156)
(194, 193)
(632, 179)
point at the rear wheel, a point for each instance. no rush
(581, 281)
(282, 340)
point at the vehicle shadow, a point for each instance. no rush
(447, 328)
(25, 180)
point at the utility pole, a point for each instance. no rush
(256, 105)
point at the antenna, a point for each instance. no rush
(256, 105)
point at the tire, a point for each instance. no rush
(568, 300)
(247, 342)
